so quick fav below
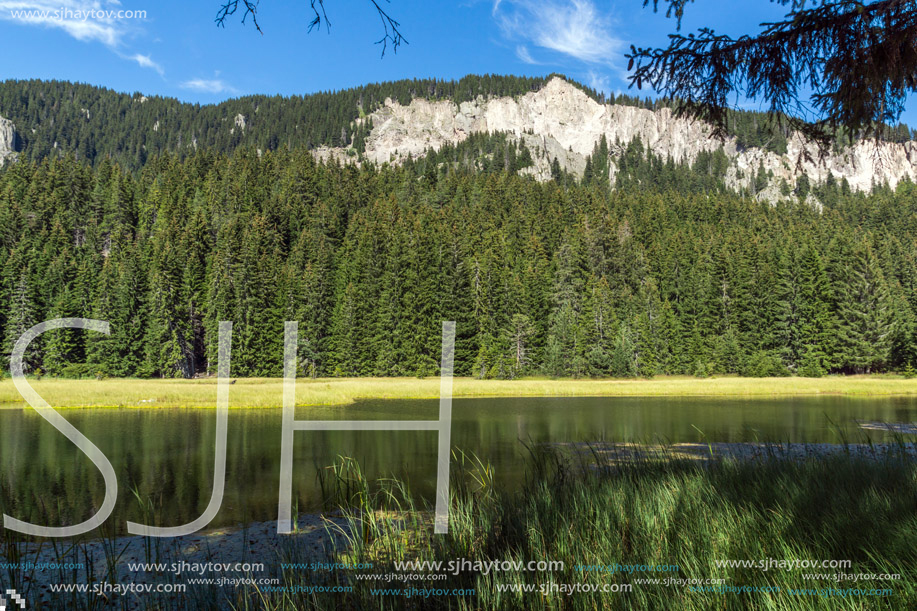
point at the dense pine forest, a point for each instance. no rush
(665, 274)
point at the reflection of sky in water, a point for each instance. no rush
(901, 428)
(167, 454)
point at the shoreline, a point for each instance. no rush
(254, 393)
(611, 454)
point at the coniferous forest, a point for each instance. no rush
(668, 273)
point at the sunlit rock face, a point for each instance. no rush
(8, 140)
(562, 122)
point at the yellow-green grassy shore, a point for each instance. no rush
(268, 392)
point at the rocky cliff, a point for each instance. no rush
(560, 121)
(8, 140)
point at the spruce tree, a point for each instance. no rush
(865, 315)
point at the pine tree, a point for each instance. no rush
(521, 329)
(816, 318)
(20, 318)
(866, 322)
(63, 347)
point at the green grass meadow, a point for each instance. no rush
(268, 392)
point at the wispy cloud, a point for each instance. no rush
(575, 28)
(145, 61)
(101, 21)
(214, 85)
(522, 52)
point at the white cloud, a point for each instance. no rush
(146, 61)
(571, 27)
(86, 20)
(522, 52)
(214, 85)
(102, 21)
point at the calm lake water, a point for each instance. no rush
(166, 455)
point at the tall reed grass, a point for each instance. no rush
(643, 512)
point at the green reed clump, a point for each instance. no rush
(640, 512)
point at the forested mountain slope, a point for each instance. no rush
(562, 125)
(56, 117)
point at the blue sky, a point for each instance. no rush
(177, 50)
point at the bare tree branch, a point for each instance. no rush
(391, 28)
(229, 8)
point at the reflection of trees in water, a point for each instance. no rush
(166, 456)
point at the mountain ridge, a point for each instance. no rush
(560, 121)
(555, 117)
